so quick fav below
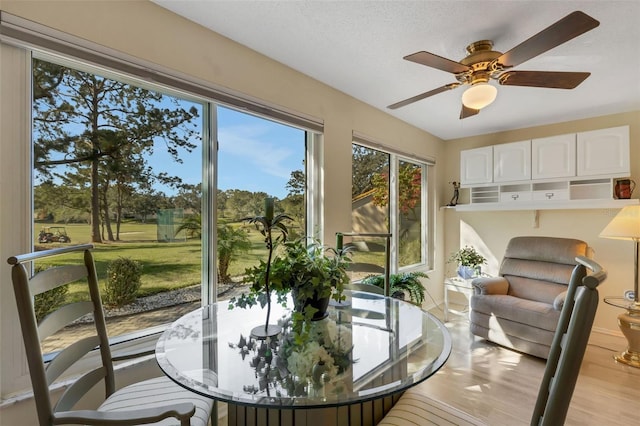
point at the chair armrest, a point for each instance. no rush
(490, 285)
(558, 302)
(182, 411)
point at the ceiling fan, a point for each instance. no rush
(483, 64)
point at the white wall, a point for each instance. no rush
(490, 231)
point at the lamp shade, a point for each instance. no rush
(479, 95)
(625, 225)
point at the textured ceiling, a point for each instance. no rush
(357, 47)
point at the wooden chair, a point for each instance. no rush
(157, 401)
(568, 347)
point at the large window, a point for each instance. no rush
(119, 165)
(127, 167)
(389, 195)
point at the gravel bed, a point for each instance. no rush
(169, 298)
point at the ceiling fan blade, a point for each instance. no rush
(468, 112)
(438, 62)
(549, 79)
(569, 27)
(424, 95)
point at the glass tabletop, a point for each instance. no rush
(624, 303)
(371, 347)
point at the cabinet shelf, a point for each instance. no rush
(549, 205)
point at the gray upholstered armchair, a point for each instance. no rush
(520, 308)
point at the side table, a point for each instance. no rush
(629, 323)
(459, 285)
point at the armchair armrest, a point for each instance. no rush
(490, 285)
(558, 302)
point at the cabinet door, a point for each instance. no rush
(553, 157)
(604, 152)
(512, 161)
(476, 165)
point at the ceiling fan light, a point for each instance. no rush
(479, 95)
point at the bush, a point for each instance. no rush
(49, 301)
(123, 281)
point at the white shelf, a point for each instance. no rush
(549, 205)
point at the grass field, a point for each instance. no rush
(165, 266)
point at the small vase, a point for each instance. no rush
(466, 272)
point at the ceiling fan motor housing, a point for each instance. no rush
(483, 63)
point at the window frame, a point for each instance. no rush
(427, 211)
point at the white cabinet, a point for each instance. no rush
(512, 162)
(476, 166)
(553, 157)
(603, 152)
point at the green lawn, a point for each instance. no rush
(165, 266)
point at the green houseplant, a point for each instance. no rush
(309, 271)
(399, 284)
(468, 260)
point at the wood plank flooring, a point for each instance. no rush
(498, 386)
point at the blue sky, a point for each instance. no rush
(254, 155)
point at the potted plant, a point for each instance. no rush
(468, 260)
(309, 271)
(399, 284)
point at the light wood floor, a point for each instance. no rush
(499, 387)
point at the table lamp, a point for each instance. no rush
(626, 226)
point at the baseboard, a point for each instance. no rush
(607, 338)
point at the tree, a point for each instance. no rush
(231, 242)
(297, 184)
(367, 163)
(409, 184)
(85, 120)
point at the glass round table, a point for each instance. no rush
(369, 347)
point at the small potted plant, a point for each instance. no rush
(468, 260)
(399, 284)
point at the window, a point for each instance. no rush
(257, 158)
(389, 195)
(124, 165)
(119, 165)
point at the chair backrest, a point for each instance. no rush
(539, 268)
(568, 346)
(26, 286)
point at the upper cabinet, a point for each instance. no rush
(603, 152)
(577, 170)
(512, 162)
(476, 166)
(553, 157)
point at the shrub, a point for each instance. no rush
(123, 281)
(49, 301)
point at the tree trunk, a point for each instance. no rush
(95, 203)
